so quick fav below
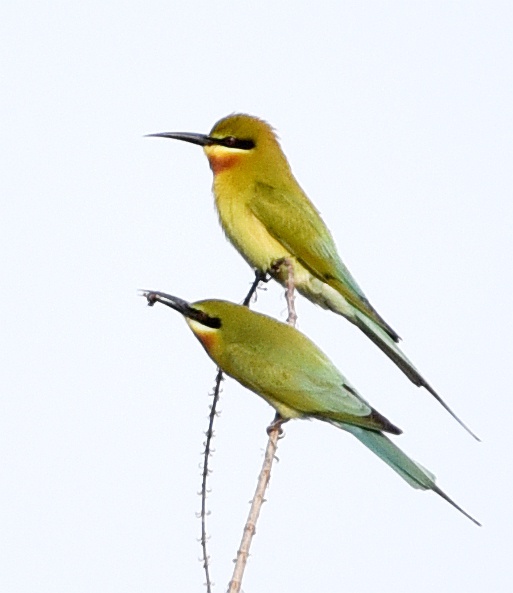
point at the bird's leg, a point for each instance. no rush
(277, 424)
(263, 276)
(259, 277)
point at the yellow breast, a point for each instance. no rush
(245, 231)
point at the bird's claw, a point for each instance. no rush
(277, 424)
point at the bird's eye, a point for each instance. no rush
(245, 144)
(233, 142)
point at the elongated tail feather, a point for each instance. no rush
(450, 501)
(390, 348)
(411, 471)
(383, 447)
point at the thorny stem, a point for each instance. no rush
(259, 277)
(274, 432)
(209, 434)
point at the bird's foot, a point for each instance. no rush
(259, 277)
(277, 424)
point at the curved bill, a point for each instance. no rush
(201, 139)
(183, 307)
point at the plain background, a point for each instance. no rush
(396, 118)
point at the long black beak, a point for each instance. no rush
(201, 139)
(181, 306)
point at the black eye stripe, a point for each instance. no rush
(205, 319)
(232, 142)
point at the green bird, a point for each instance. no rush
(286, 369)
(267, 217)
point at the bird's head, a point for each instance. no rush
(239, 144)
(203, 319)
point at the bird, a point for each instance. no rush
(269, 219)
(284, 367)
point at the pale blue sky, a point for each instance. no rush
(396, 118)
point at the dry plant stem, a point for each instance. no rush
(274, 432)
(289, 292)
(259, 277)
(254, 512)
(208, 450)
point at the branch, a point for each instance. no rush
(289, 292)
(254, 511)
(274, 431)
(208, 450)
(259, 277)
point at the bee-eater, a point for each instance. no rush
(267, 216)
(284, 367)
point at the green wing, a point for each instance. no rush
(295, 223)
(305, 382)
